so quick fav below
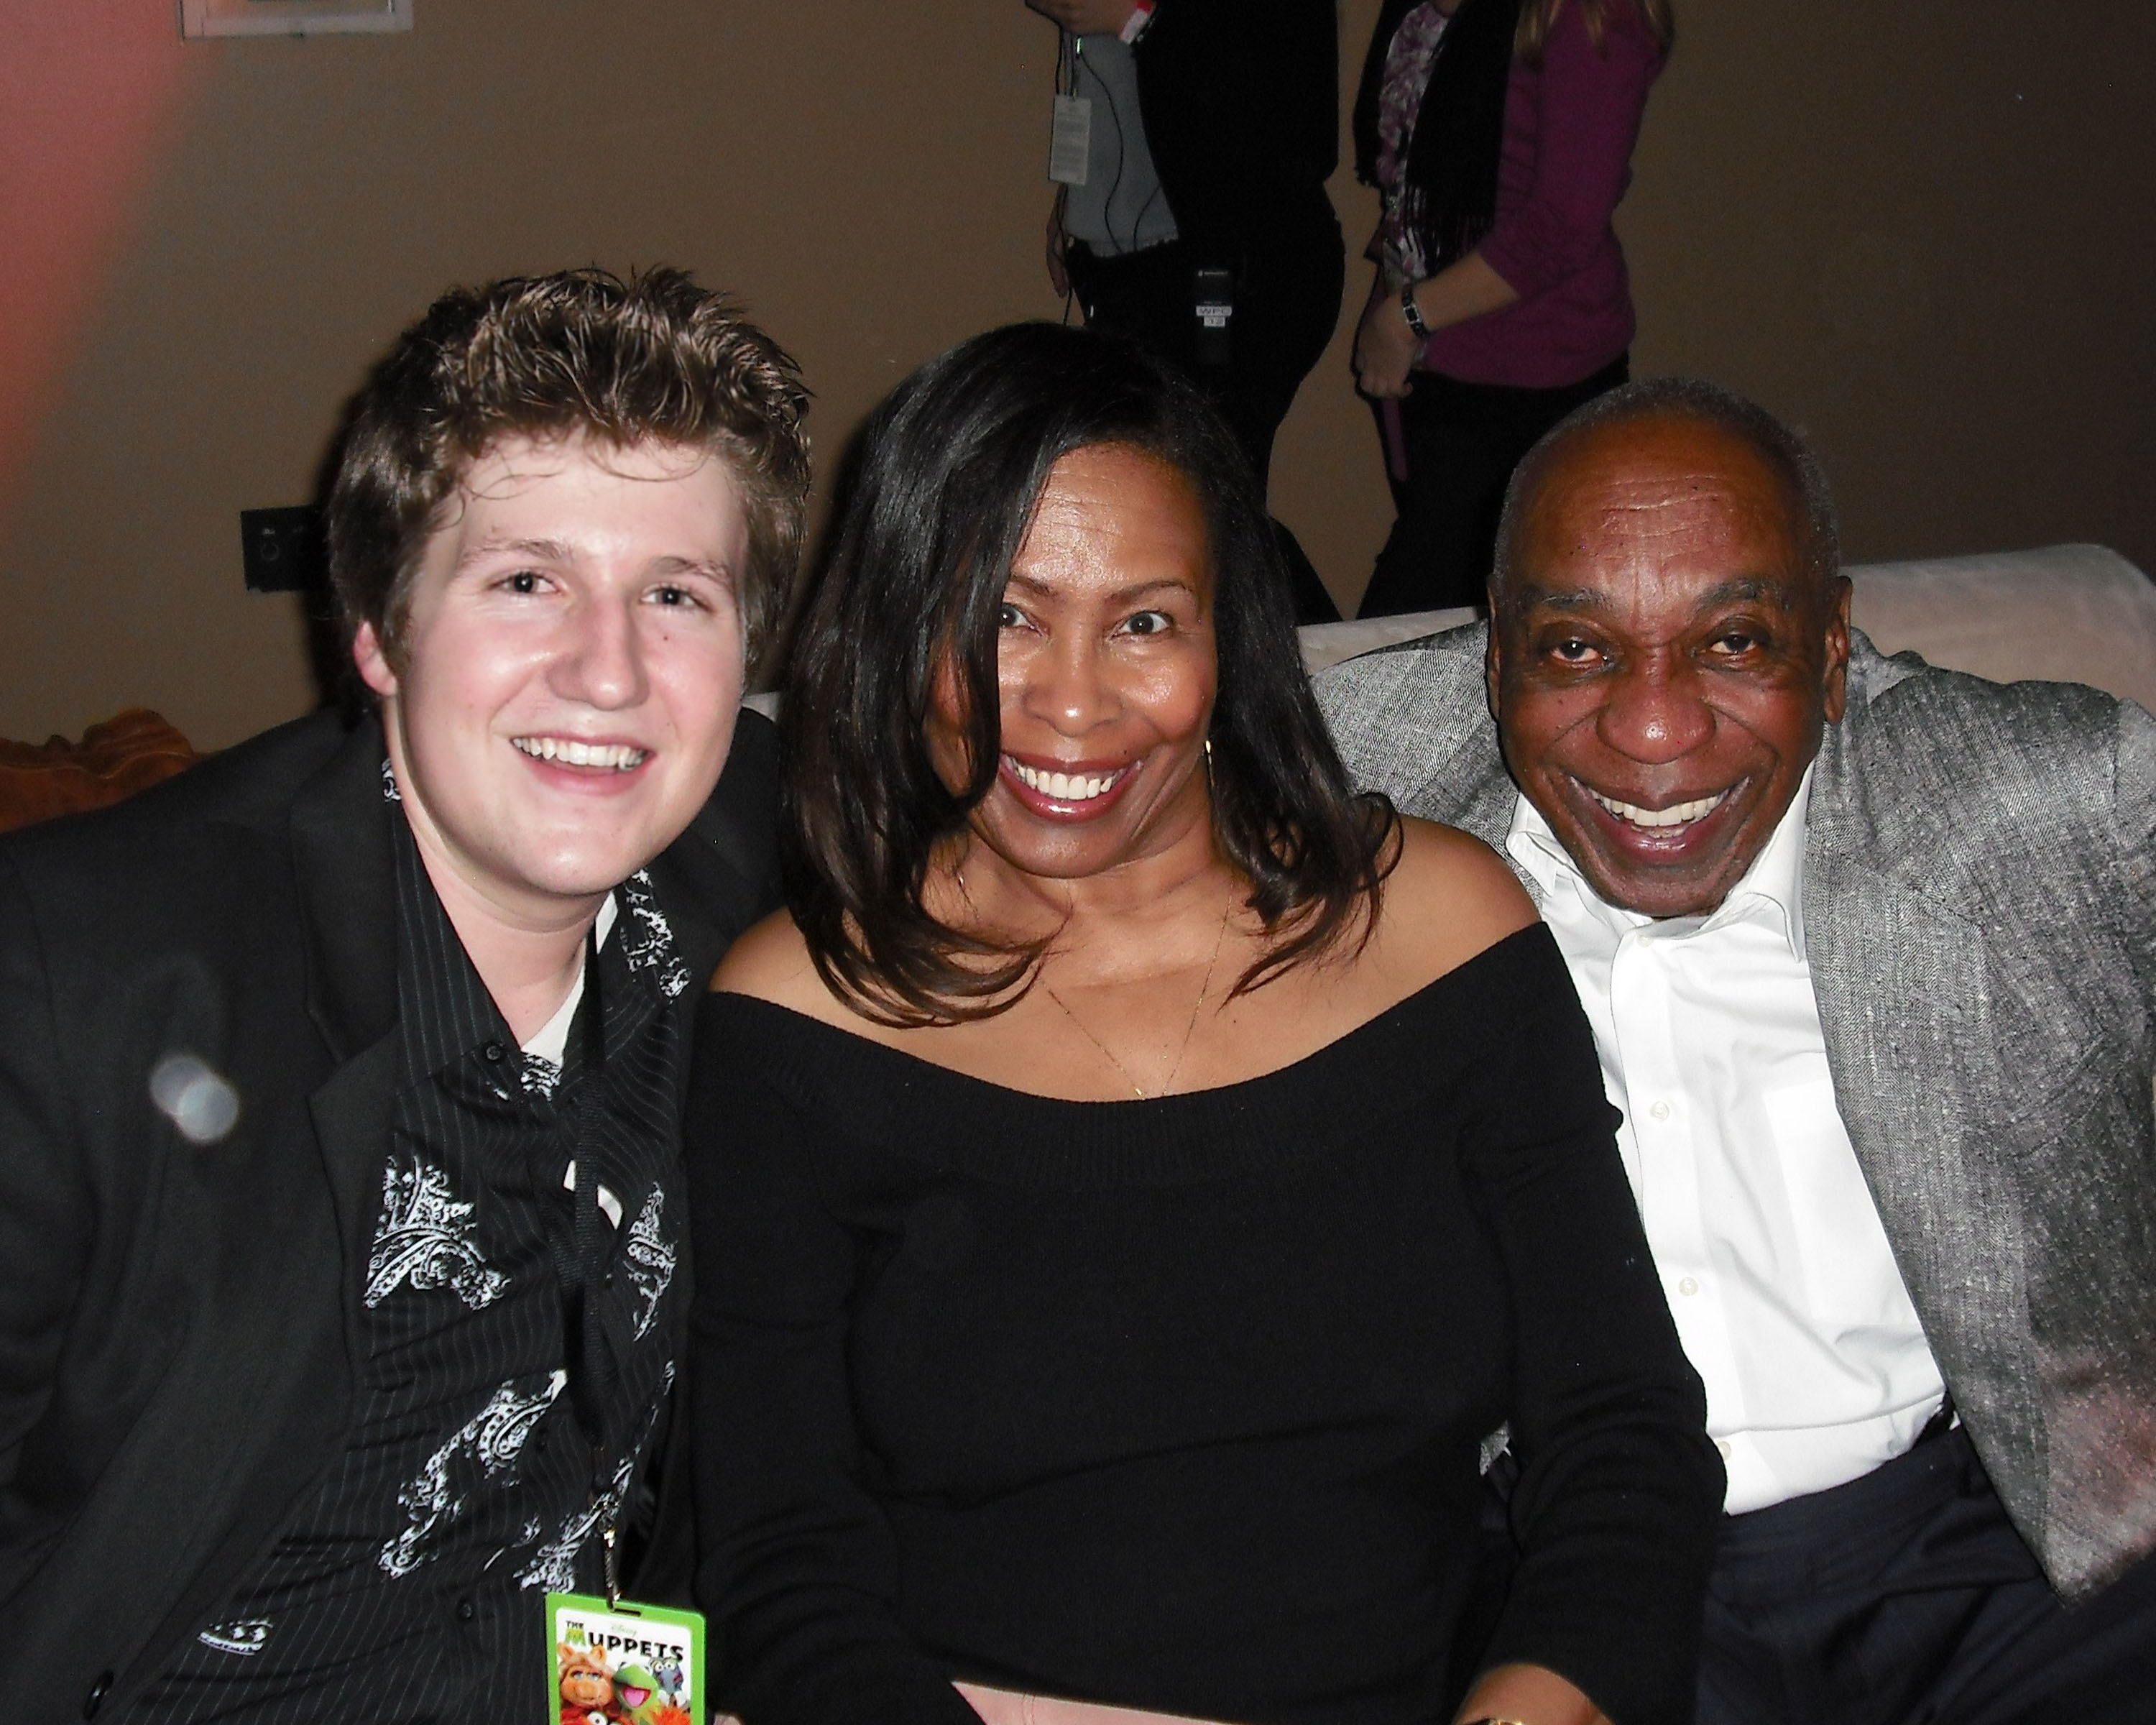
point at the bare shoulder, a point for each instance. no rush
(771, 962)
(1449, 897)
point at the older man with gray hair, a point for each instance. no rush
(1870, 951)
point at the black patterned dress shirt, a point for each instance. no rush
(409, 1585)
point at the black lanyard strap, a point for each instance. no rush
(580, 1261)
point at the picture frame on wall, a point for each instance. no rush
(293, 18)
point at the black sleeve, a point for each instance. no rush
(45, 1206)
(748, 788)
(799, 1565)
(1620, 1492)
(722, 874)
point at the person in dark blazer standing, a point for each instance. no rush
(1214, 125)
(1869, 949)
(339, 1077)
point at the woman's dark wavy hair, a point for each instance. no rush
(948, 473)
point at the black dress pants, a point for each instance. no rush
(1462, 441)
(1906, 1598)
(1287, 303)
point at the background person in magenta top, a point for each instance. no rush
(1501, 133)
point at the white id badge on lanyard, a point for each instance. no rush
(1072, 140)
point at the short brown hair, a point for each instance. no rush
(654, 358)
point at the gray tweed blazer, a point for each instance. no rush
(1980, 917)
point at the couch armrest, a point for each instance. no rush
(125, 754)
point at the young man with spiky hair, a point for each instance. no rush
(340, 1189)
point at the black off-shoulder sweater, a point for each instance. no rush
(1176, 1404)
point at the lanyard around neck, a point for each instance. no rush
(580, 1261)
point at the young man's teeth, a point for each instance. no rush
(1065, 787)
(1675, 815)
(619, 756)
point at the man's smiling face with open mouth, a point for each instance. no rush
(570, 669)
(1661, 663)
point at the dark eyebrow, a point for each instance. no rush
(1735, 590)
(692, 566)
(1577, 598)
(1121, 595)
(551, 551)
(554, 551)
(1741, 588)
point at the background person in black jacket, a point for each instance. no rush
(340, 1078)
(1215, 124)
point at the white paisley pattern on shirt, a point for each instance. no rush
(428, 1238)
(553, 1566)
(647, 937)
(648, 1256)
(243, 1637)
(484, 1453)
(539, 1075)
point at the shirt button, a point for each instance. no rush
(495, 1054)
(466, 1610)
(1688, 1285)
(1723, 1444)
(96, 1699)
(1660, 1111)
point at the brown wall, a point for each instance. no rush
(1922, 229)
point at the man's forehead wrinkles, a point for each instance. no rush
(1630, 492)
(1622, 472)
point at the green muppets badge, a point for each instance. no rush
(624, 1664)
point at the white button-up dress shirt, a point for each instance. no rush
(1785, 1293)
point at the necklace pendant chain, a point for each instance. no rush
(1189, 1030)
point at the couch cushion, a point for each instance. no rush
(2068, 613)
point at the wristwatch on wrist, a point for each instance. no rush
(1413, 313)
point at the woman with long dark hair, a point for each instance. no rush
(1500, 134)
(1138, 1174)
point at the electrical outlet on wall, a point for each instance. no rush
(282, 550)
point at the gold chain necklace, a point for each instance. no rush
(1190, 1030)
